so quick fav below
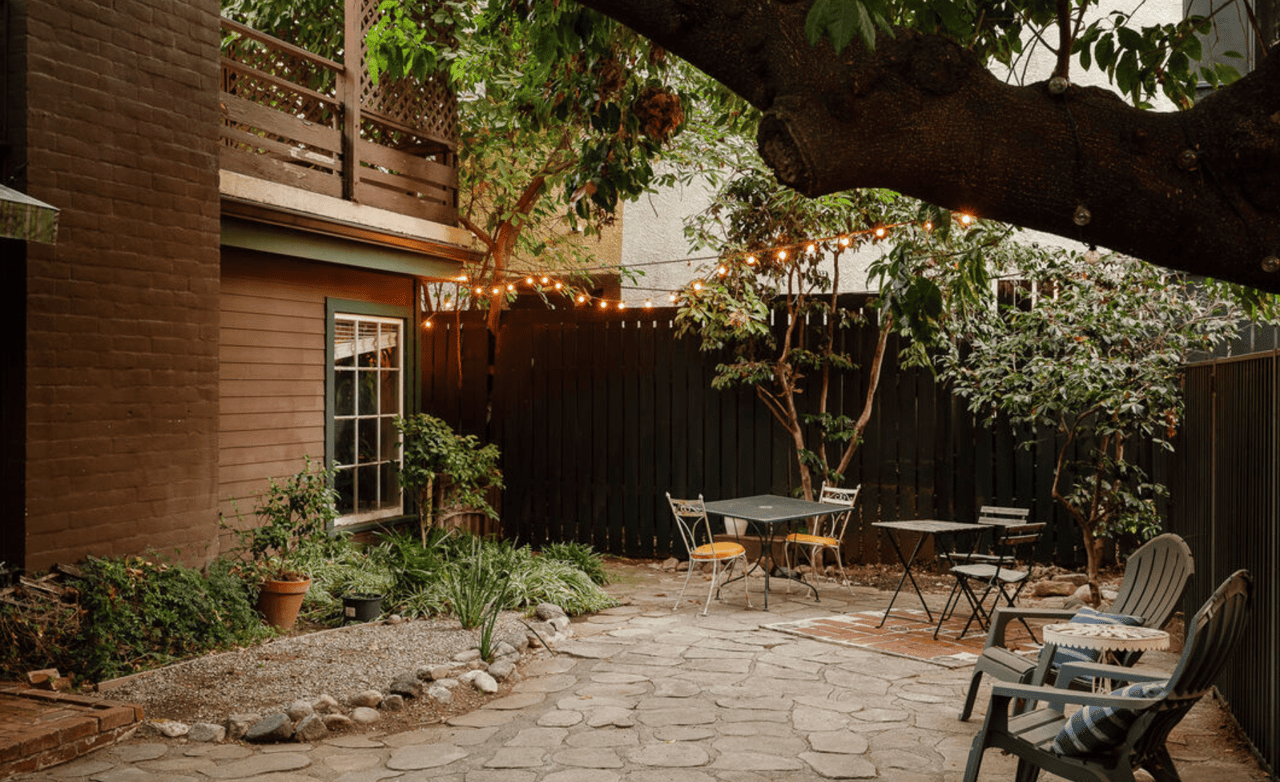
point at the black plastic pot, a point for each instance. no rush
(361, 608)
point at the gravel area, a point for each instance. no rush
(339, 662)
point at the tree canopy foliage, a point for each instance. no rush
(942, 101)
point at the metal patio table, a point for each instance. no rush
(771, 511)
(923, 528)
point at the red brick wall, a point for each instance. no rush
(122, 320)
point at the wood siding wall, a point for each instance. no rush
(272, 365)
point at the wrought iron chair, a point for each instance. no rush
(827, 532)
(1123, 730)
(1155, 576)
(997, 573)
(691, 520)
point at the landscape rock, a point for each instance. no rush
(438, 672)
(207, 732)
(407, 685)
(483, 682)
(392, 702)
(467, 656)
(337, 721)
(299, 709)
(501, 670)
(546, 611)
(273, 727)
(363, 715)
(439, 693)
(325, 704)
(311, 728)
(367, 699)
(1078, 579)
(1052, 589)
(670, 563)
(171, 728)
(239, 724)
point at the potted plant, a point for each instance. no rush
(294, 513)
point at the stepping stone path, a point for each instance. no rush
(642, 694)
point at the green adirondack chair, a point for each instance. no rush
(1135, 720)
(1154, 578)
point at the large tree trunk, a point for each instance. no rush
(1193, 190)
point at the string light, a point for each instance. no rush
(811, 247)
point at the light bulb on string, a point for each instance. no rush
(697, 286)
(622, 305)
(528, 280)
(966, 219)
(811, 248)
(672, 297)
(604, 305)
(782, 255)
(546, 280)
(648, 303)
(723, 270)
(511, 286)
(581, 298)
(880, 232)
(751, 260)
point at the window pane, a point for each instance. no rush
(390, 393)
(368, 349)
(344, 441)
(367, 441)
(390, 345)
(344, 343)
(346, 492)
(390, 488)
(367, 488)
(368, 393)
(344, 392)
(390, 438)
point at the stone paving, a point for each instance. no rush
(642, 694)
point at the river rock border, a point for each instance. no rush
(314, 718)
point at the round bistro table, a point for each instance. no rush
(1108, 639)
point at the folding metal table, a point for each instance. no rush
(923, 528)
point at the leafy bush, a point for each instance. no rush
(580, 555)
(132, 614)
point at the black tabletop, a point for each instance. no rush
(770, 508)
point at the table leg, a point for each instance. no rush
(906, 574)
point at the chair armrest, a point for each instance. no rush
(1120, 673)
(1059, 698)
(1001, 618)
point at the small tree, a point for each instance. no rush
(446, 472)
(780, 249)
(1093, 353)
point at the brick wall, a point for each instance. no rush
(122, 319)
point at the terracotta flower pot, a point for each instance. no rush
(279, 601)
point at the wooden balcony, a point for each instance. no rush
(299, 119)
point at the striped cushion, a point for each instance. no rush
(1087, 616)
(1099, 728)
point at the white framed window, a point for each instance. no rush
(368, 373)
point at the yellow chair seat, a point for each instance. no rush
(718, 551)
(812, 540)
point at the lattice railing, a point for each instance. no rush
(292, 116)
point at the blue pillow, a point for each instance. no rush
(1099, 728)
(1088, 616)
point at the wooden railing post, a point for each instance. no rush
(349, 94)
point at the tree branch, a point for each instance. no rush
(1191, 190)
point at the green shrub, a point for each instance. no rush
(138, 614)
(580, 555)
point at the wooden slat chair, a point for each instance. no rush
(691, 520)
(1155, 576)
(1093, 744)
(827, 534)
(997, 574)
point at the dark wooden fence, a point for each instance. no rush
(599, 414)
(1227, 505)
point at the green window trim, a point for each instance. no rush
(337, 309)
